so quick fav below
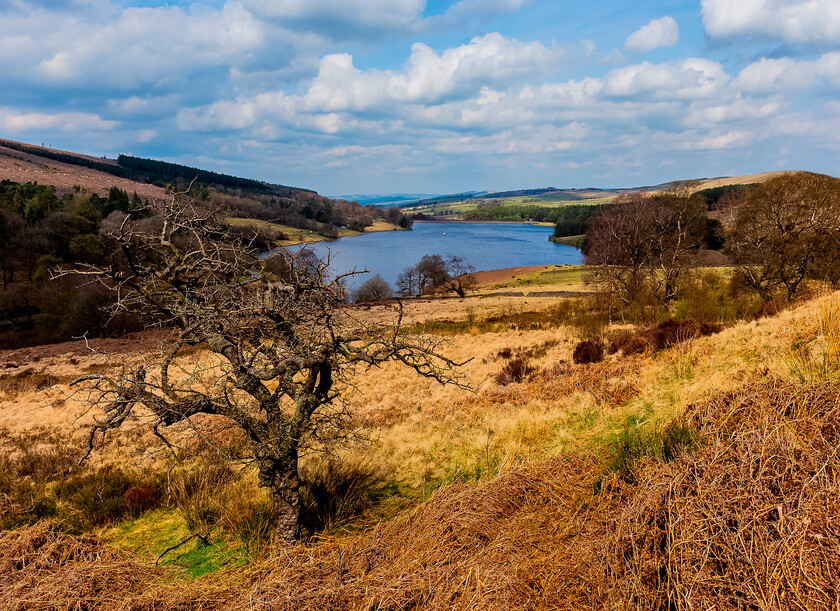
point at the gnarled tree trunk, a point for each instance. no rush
(287, 514)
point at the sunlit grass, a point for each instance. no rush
(152, 533)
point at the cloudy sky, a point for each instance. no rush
(434, 96)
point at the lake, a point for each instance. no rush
(483, 245)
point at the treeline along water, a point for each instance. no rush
(483, 245)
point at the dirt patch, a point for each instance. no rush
(139, 342)
(494, 276)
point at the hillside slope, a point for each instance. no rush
(21, 167)
(703, 475)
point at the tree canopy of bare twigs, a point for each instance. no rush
(643, 246)
(433, 272)
(280, 350)
(787, 230)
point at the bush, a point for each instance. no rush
(659, 337)
(627, 342)
(373, 289)
(588, 351)
(666, 334)
(515, 371)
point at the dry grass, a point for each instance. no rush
(744, 520)
(814, 352)
(43, 570)
(748, 521)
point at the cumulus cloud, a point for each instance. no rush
(466, 10)
(428, 76)
(786, 74)
(685, 79)
(348, 15)
(12, 120)
(795, 21)
(126, 48)
(658, 33)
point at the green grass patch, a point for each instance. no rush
(571, 240)
(295, 235)
(635, 442)
(157, 530)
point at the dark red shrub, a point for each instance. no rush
(588, 351)
(514, 371)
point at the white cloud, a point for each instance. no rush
(465, 10)
(731, 139)
(740, 109)
(658, 33)
(126, 48)
(786, 74)
(427, 77)
(798, 21)
(685, 79)
(15, 121)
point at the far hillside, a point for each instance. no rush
(530, 204)
(58, 207)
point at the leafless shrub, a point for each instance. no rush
(515, 371)
(588, 351)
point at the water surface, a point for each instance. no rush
(483, 245)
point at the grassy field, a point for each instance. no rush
(549, 485)
(304, 236)
(456, 209)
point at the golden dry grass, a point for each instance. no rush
(517, 523)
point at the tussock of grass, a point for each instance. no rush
(28, 382)
(42, 569)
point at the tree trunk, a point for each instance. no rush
(287, 514)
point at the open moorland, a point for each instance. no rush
(22, 166)
(699, 469)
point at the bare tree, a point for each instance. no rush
(644, 245)
(408, 282)
(373, 289)
(281, 352)
(433, 272)
(460, 276)
(787, 230)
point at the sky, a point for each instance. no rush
(435, 96)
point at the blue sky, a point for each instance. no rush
(435, 96)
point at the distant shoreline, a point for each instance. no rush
(459, 222)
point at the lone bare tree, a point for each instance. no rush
(787, 230)
(373, 289)
(460, 276)
(280, 349)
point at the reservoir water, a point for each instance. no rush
(483, 245)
